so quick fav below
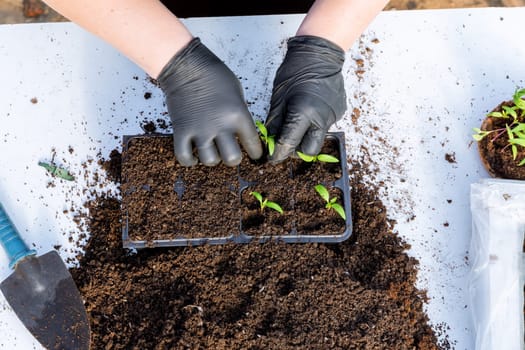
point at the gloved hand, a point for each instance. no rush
(207, 109)
(308, 96)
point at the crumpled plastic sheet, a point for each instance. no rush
(497, 263)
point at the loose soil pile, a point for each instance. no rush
(359, 294)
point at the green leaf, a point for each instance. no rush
(478, 137)
(510, 111)
(339, 210)
(480, 134)
(305, 157)
(257, 195)
(519, 134)
(518, 128)
(514, 151)
(522, 162)
(496, 115)
(271, 144)
(323, 192)
(262, 128)
(519, 142)
(47, 166)
(327, 158)
(519, 93)
(57, 171)
(517, 98)
(274, 206)
(63, 174)
(509, 132)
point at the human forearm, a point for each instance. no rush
(143, 30)
(340, 21)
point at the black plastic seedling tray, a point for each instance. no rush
(239, 235)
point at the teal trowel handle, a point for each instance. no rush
(10, 239)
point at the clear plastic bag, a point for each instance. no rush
(497, 261)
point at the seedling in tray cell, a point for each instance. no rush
(264, 202)
(331, 203)
(268, 140)
(325, 158)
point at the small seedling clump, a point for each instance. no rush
(268, 140)
(514, 127)
(324, 158)
(331, 203)
(265, 203)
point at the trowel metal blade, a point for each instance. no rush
(45, 298)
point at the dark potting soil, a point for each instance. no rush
(164, 200)
(359, 294)
(495, 153)
(291, 185)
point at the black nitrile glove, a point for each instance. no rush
(207, 109)
(308, 96)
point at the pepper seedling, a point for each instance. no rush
(514, 129)
(330, 202)
(321, 157)
(268, 140)
(57, 171)
(264, 202)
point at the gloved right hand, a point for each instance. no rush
(207, 109)
(308, 96)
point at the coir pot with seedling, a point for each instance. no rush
(501, 139)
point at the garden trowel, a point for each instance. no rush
(43, 294)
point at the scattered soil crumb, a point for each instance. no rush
(34, 100)
(148, 126)
(450, 157)
(162, 124)
(113, 166)
(356, 113)
(153, 81)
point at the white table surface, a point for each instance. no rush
(428, 79)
